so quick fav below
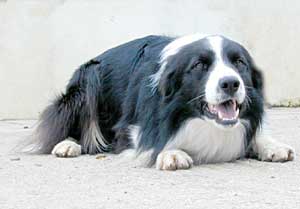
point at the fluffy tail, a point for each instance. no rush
(73, 114)
(55, 123)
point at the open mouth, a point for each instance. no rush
(225, 113)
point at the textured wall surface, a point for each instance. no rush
(42, 42)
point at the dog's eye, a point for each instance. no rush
(240, 64)
(201, 65)
(239, 61)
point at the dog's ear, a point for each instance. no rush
(170, 83)
(257, 79)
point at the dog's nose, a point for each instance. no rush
(229, 84)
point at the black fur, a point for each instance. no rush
(114, 90)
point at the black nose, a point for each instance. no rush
(229, 84)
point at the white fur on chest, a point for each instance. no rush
(207, 143)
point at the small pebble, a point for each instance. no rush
(101, 156)
(26, 127)
(15, 159)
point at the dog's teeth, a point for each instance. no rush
(220, 115)
(234, 105)
(237, 113)
(212, 109)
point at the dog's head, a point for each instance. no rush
(214, 76)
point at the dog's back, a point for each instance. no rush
(91, 105)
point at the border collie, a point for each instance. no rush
(176, 102)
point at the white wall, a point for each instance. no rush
(43, 41)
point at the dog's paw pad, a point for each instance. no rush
(278, 153)
(173, 160)
(67, 148)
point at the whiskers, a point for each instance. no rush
(196, 98)
(248, 100)
(249, 87)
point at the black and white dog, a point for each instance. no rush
(174, 101)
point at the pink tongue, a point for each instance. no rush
(226, 111)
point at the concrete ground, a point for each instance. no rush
(44, 181)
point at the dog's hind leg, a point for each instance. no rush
(70, 125)
(67, 148)
(59, 121)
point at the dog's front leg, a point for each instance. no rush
(268, 149)
(173, 160)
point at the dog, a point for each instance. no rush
(174, 101)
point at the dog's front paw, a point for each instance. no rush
(67, 148)
(277, 152)
(173, 160)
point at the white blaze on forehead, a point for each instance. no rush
(171, 49)
(220, 70)
(174, 47)
(216, 44)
